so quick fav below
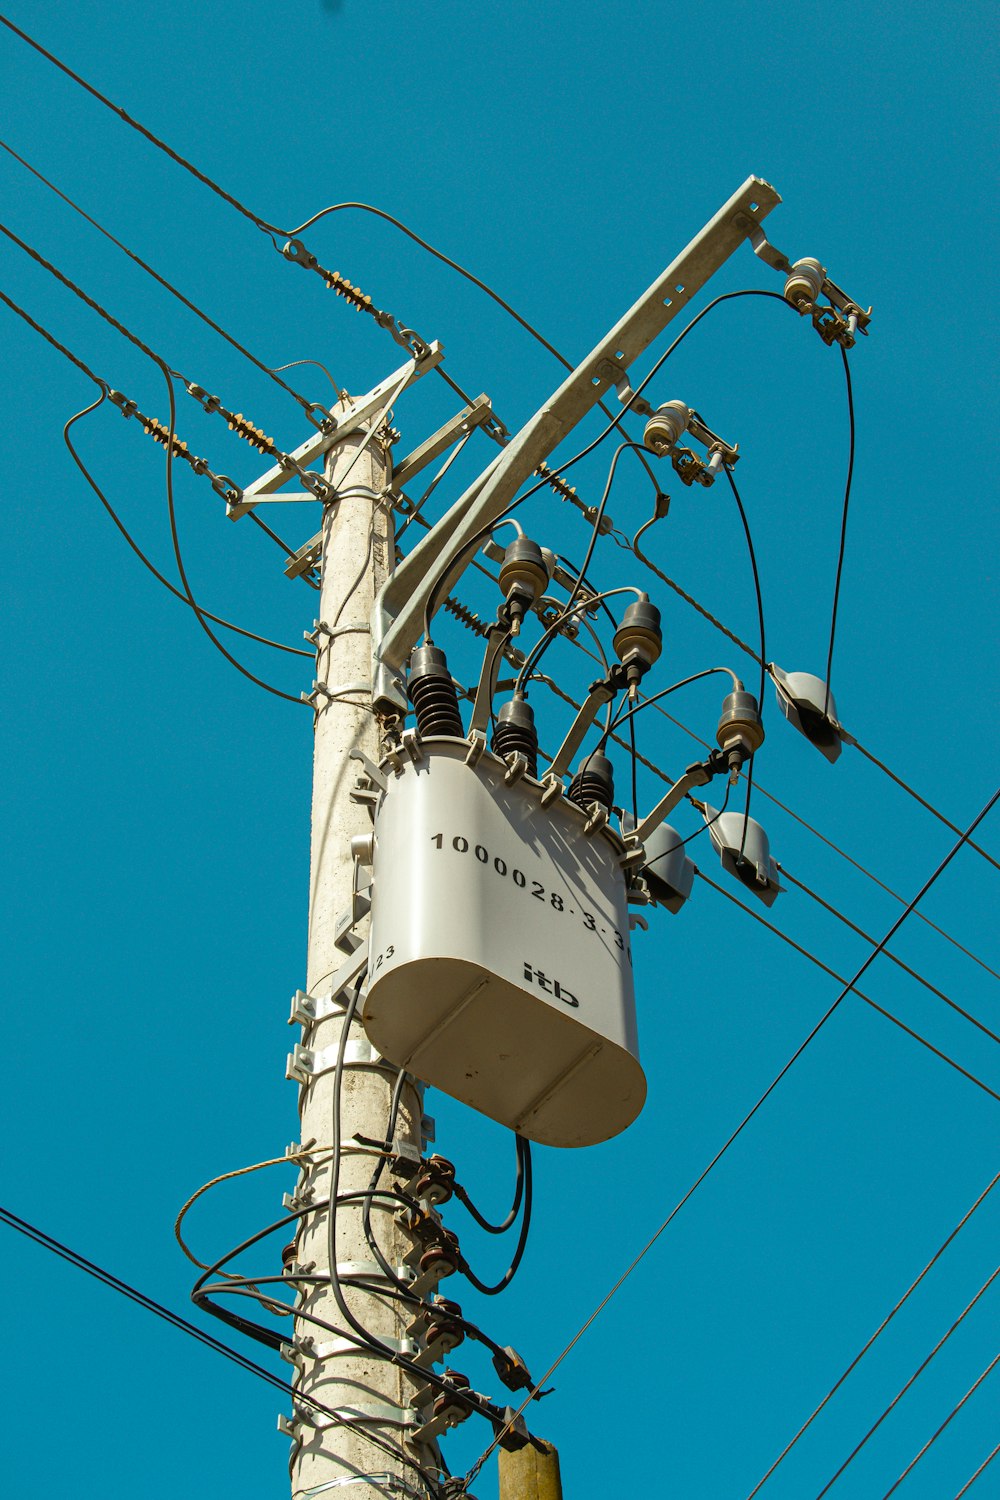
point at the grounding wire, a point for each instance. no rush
(133, 544)
(842, 917)
(309, 407)
(845, 991)
(903, 1390)
(967, 1486)
(843, 529)
(874, 1005)
(124, 1288)
(879, 1330)
(935, 1435)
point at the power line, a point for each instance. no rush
(308, 406)
(140, 554)
(271, 230)
(934, 1437)
(827, 906)
(860, 993)
(51, 339)
(967, 1486)
(656, 770)
(150, 424)
(182, 161)
(125, 1289)
(471, 622)
(198, 613)
(849, 739)
(915, 1376)
(474, 1470)
(878, 1332)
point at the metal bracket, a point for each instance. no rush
(398, 613)
(697, 774)
(473, 415)
(307, 1348)
(305, 1063)
(306, 558)
(353, 416)
(381, 1412)
(308, 1009)
(369, 1270)
(374, 773)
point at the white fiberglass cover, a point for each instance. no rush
(500, 969)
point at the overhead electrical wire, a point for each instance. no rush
(104, 389)
(134, 124)
(309, 407)
(140, 554)
(657, 771)
(182, 571)
(914, 1377)
(867, 999)
(845, 991)
(133, 338)
(893, 958)
(967, 1486)
(877, 1334)
(125, 1289)
(849, 738)
(263, 225)
(271, 230)
(949, 1418)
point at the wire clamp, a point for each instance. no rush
(306, 1063)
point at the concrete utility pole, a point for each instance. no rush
(357, 555)
(532, 1473)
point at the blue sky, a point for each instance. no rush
(156, 818)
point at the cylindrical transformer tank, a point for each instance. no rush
(500, 967)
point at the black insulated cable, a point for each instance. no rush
(133, 1294)
(843, 528)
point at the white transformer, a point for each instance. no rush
(500, 967)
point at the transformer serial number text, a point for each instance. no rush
(460, 845)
